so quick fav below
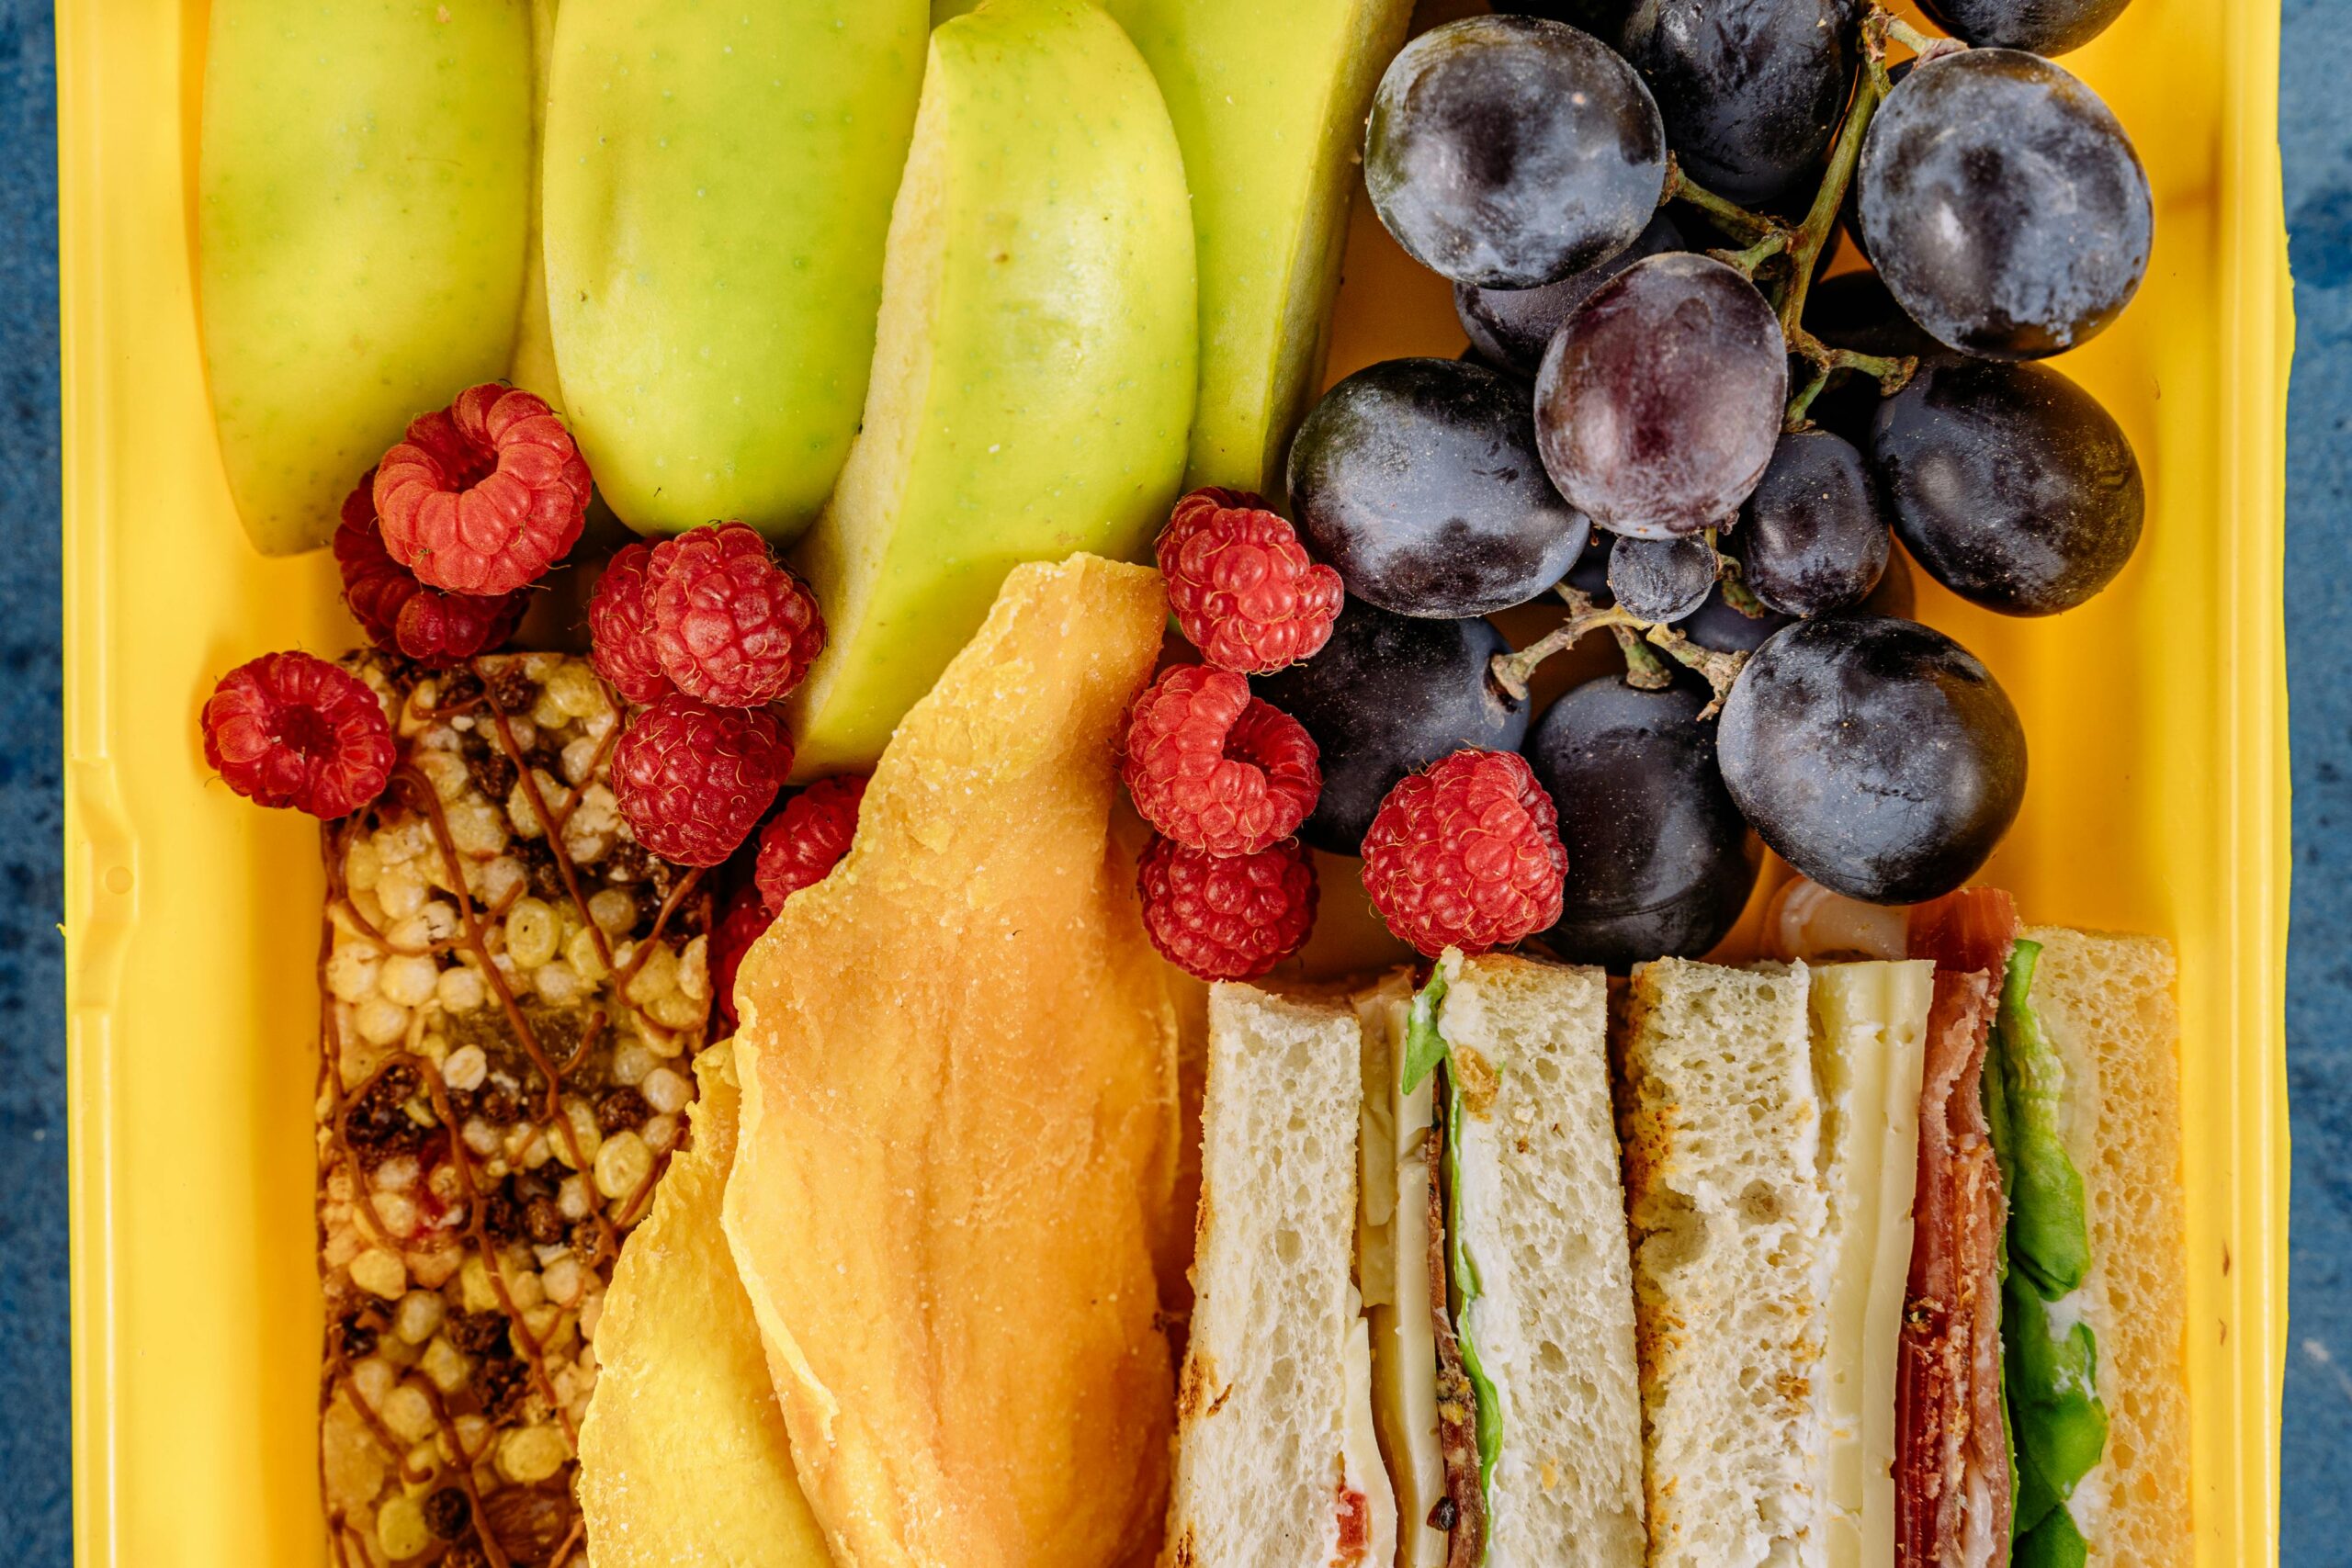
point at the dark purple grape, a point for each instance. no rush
(1602, 18)
(1661, 580)
(1660, 400)
(2038, 27)
(1812, 538)
(1590, 574)
(1726, 628)
(1876, 756)
(2009, 483)
(1418, 479)
(1509, 152)
(1751, 90)
(1660, 860)
(1854, 311)
(2003, 205)
(1387, 694)
(1512, 327)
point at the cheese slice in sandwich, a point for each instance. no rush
(1769, 1123)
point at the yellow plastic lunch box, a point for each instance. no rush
(2157, 802)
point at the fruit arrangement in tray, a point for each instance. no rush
(740, 436)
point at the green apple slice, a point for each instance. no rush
(718, 187)
(1269, 103)
(1033, 378)
(362, 191)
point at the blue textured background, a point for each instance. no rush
(2316, 121)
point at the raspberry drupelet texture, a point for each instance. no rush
(1214, 768)
(731, 626)
(620, 627)
(1244, 591)
(694, 779)
(1467, 854)
(292, 729)
(1227, 916)
(803, 842)
(743, 922)
(483, 496)
(400, 615)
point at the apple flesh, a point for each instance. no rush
(1269, 103)
(1033, 378)
(362, 194)
(718, 187)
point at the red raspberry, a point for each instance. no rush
(693, 781)
(484, 495)
(1467, 854)
(400, 615)
(292, 729)
(620, 627)
(730, 624)
(745, 920)
(1227, 916)
(1241, 584)
(805, 840)
(1214, 768)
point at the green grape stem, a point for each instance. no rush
(1796, 250)
(1511, 670)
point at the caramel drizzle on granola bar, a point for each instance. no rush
(421, 795)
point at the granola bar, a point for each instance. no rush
(511, 988)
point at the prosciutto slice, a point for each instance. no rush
(1952, 1465)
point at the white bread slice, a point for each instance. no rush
(1541, 1219)
(1273, 1409)
(1721, 1126)
(2106, 1002)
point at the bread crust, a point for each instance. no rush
(2106, 1002)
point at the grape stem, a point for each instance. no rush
(1799, 248)
(1747, 228)
(1642, 670)
(1511, 669)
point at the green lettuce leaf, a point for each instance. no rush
(2048, 1236)
(1424, 1046)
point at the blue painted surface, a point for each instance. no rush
(2317, 117)
(35, 1511)
(2315, 120)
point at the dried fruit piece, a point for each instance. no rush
(620, 627)
(1214, 768)
(730, 626)
(484, 495)
(808, 837)
(400, 615)
(1227, 916)
(1243, 589)
(1467, 854)
(968, 1046)
(292, 729)
(693, 779)
(684, 1456)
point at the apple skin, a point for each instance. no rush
(717, 185)
(362, 194)
(1269, 103)
(1034, 374)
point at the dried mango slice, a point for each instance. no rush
(959, 1118)
(684, 1456)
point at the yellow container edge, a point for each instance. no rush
(163, 1451)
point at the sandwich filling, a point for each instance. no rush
(2057, 1424)
(2002, 1426)
(1953, 1485)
